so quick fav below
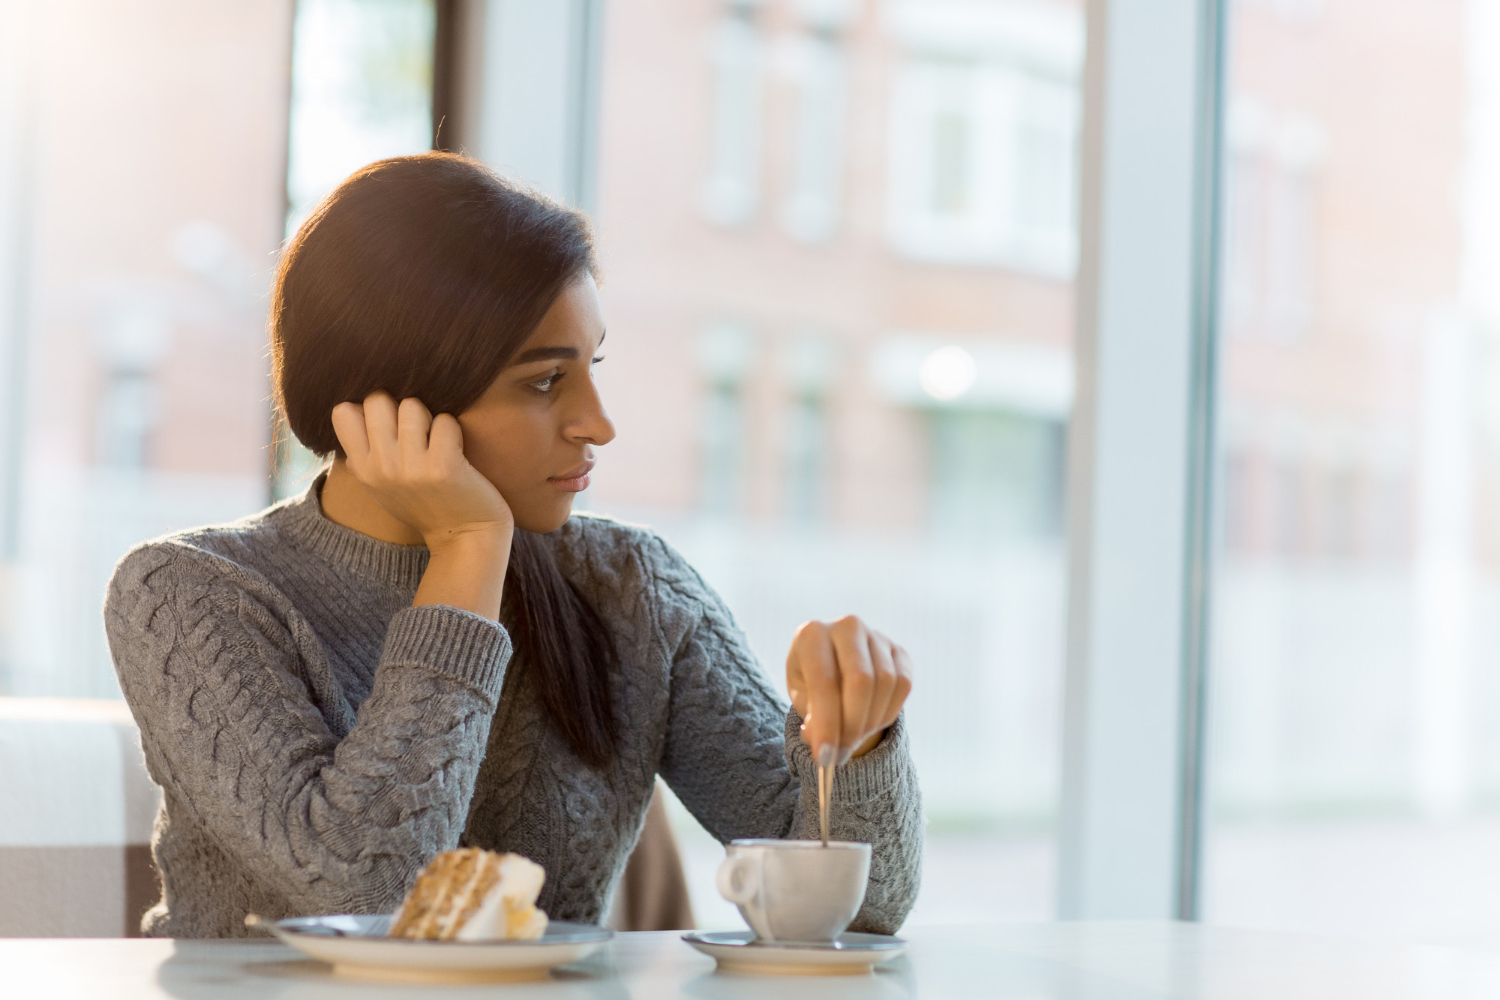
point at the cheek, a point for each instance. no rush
(503, 450)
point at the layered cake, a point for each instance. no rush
(473, 895)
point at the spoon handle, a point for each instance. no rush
(825, 792)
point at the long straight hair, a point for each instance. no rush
(422, 275)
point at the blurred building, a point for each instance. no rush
(143, 150)
(843, 235)
(1358, 471)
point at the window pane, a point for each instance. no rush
(147, 146)
(361, 91)
(1353, 775)
(146, 143)
(839, 241)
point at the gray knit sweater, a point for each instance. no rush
(318, 739)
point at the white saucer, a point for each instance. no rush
(851, 955)
(356, 946)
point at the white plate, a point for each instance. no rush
(851, 955)
(357, 946)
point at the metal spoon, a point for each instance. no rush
(826, 758)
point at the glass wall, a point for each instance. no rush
(142, 165)
(152, 158)
(838, 244)
(1354, 780)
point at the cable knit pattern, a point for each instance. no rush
(318, 739)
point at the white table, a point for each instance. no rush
(1089, 961)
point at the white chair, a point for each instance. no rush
(76, 810)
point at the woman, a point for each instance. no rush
(425, 649)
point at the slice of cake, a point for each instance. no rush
(473, 895)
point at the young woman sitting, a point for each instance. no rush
(426, 650)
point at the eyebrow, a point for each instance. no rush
(549, 354)
(545, 354)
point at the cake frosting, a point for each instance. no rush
(474, 895)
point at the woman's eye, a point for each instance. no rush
(545, 384)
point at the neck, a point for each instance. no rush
(346, 501)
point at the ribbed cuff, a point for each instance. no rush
(863, 778)
(449, 641)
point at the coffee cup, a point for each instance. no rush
(795, 891)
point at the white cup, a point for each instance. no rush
(795, 891)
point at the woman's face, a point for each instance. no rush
(534, 430)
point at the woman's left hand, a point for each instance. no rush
(848, 682)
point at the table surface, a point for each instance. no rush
(1096, 961)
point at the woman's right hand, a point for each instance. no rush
(413, 465)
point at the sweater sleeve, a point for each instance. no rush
(735, 757)
(233, 733)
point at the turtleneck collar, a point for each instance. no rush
(303, 519)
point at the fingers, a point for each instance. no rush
(380, 422)
(848, 682)
(445, 439)
(388, 436)
(413, 464)
(857, 680)
(814, 655)
(883, 662)
(413, 422)
(902, 689)
(349, 428)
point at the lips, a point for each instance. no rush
(576, 479)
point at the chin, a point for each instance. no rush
(545, 520)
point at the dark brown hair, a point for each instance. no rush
(422, 275)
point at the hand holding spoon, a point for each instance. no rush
(843, 718)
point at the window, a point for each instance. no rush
(726, 355)
(810, 364)
(133, 322)
(1271, 220)
(1353, 666)
(816, 66)
(732, 192)
(983, 135)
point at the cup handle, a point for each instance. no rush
(734, 884)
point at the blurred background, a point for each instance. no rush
(839, 238)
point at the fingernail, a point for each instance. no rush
(844, 754)
(826, 754)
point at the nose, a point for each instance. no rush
(588, 423)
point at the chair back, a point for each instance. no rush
(76, 811)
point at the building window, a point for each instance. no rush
(816, 66)
(808, 365)
(1291, 232)
(996, 474)
(983, 165)
(725, 353)
(1243, 220)
(732, 192)
(1271, 220)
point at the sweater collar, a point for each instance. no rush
(344, 548)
